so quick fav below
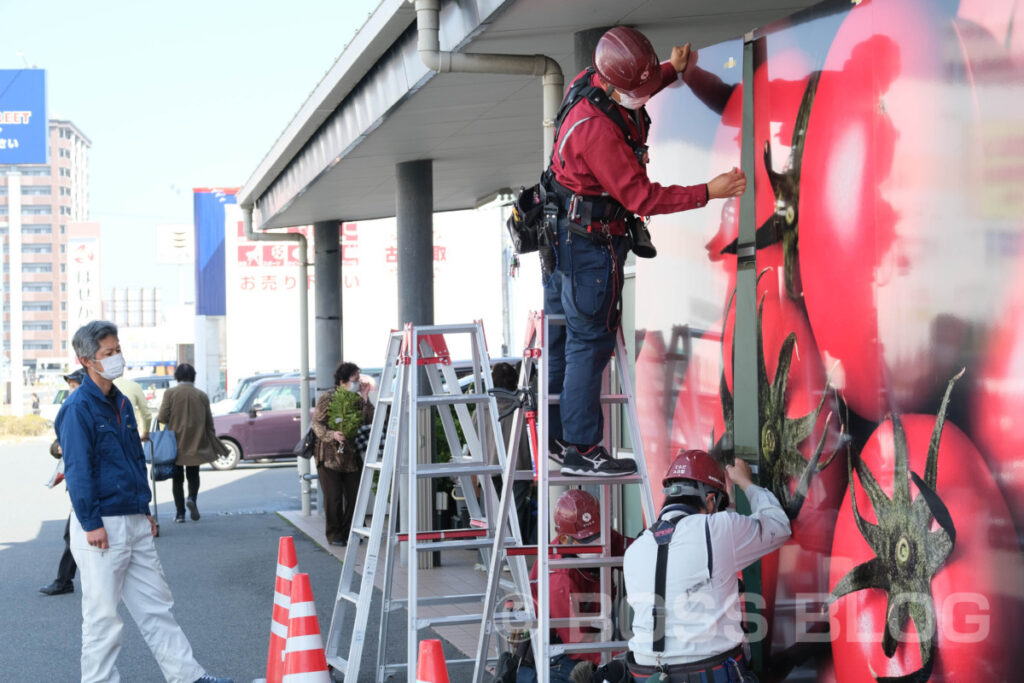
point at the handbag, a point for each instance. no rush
(307, 447)
(163, 447)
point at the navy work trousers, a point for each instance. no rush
(587, 288)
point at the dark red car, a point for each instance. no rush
(265, 423)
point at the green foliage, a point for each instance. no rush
(28, 425)
(345, 412)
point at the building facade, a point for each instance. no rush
(53, 196)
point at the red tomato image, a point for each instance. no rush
(998, 402)
(875, 276)
(926, 574)
(652, 372)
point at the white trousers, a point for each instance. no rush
(128, 570)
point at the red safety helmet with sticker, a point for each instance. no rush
(627, 60)
(700, 467)
(577, 515)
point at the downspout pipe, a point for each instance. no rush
(429, 46)
(304, 403)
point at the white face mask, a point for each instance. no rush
(110, 368)
(632, 102)
(354, 386)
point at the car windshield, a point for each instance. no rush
(243, 396)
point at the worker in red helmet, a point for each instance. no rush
(681, 573)
(573, 592)
(598, 175)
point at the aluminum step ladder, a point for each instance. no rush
(411, 353)
(522, 614)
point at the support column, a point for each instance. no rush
(327, 276)
(414, 215)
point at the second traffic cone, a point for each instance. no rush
(430, 667)
(304, 658)
(287, 566)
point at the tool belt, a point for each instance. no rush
(730, 662)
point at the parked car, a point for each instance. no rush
(49, 411)
(154, 386)
(265, 422)
(227, 405)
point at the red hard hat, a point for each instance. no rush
(626, 59)
(701, 467)
(577, 514)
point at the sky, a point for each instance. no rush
(173, 96)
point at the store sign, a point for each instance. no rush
(23, 125)
(83, 281)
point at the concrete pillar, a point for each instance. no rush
(584, 43)
(327, 275)
(414, 215)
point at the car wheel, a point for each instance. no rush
(229, 461)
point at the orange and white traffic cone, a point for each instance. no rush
(431, 667)
(304, 658)
(287, 566)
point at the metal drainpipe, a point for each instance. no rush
(429, 45)
(304, 404)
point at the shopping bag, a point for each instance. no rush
(163, 447)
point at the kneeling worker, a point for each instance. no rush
(681, 572)
(574, 592)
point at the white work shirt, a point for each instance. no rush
(703, 613)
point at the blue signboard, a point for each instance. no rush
(23, 125)
(208, 205)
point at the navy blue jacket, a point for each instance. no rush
(103, 461)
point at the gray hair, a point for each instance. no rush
(86, 341)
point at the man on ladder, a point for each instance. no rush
(598, 175)
(681, 573)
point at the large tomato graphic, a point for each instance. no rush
(998, 403)
(876, 260)
(652, 371)
(926, 577)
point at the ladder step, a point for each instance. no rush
(448, 469)
(449, 620)
(337, 663)
(608, 646)
(361, 531)
(584, 562)
(385, 400)
(445, 534)
(451, 399)
(563, 479)
(606, 399)
(403, 667)
(351, 596)
(402, 603)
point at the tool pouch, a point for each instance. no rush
(640, 237)
(524, 225)
(548, 241)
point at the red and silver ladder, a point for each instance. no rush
(523, 616)
(415, 353)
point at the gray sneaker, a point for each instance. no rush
(556, 450)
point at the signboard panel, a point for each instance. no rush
(23, 126)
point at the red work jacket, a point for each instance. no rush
(592, 158)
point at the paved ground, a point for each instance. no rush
(221, 571)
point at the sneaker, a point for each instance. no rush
(58, 588)
(207, 678)
(595, 462)
(179, 518)
(193, 509)
(556, 450)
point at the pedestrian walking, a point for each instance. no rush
(66, 568)
(337, 418)
(135, 394)
(185, 410)
(112, 529)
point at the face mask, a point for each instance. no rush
(353, 387)
(111, 368)
(632, 102)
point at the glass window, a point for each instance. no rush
(37, 326)
(37, 306)
(278, 397)
(3, 191)
(40, 229)
(35, 170)
(41, 210)
(35, 190)
(36, 267)
(3, 210)
(31, 345)
(37, 286)
(36, 248)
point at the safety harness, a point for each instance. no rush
(662, 530)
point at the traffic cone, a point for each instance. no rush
(304, 658)
(431, 667)
(287, 566)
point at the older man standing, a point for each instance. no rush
(111, 528)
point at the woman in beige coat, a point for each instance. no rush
(185, 410)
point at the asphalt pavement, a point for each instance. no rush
(220, 569)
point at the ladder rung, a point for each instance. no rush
(457, 328)
(554, 549)
(386, 400)
(449, 620)
(447, 469)
(337, 663)
(605, 399)
(351, 596)
(584, 562)
(611, 645)
(594, 621)
(563, 479)
(444, 534)
(402, 603)
(361, 531)
(403, 667)
(377, 466)
(451, 399)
